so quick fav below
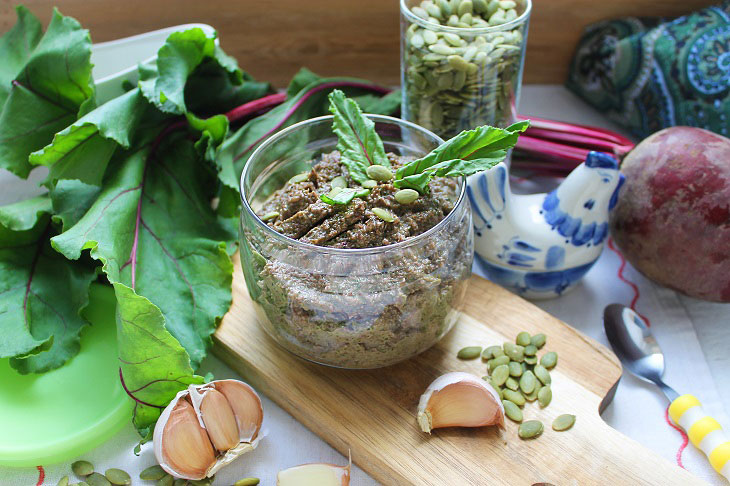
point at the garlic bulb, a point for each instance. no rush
(315, 475)
(206, 427)
(459, 400)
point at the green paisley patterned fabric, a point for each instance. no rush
(647, 75)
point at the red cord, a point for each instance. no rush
(685, 439)
(628, 282)
(41, 475)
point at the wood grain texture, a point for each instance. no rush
(372, 412)
(272, 40)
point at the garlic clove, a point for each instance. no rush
(226, 417)
(246, 406)
(315, 475)
(459, 399)
(188, 451)
(217, 416)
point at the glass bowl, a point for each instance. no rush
(351, 308)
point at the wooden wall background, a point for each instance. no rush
(272, 39)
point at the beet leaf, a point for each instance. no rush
(43, 293)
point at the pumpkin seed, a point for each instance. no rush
(406, 196)
(379, 173)
(430, 37)
(549, 360)
(441, 49)
(480, 6)
(270, 216)
(531, 360)
(500, 374)
(515, 368)
(417, 40)
(530, 429)
(496, 387)
(339, 181)
(445, 8)
(512, 411)
(369, 184)
(383, 214)
(166, 481)
(492, 352)
(63, 481)
(545, 396)
(247, 482)
(82, 468)
(530, 350)
(433, 11)
(464, 7)
(523, 338)
(538, 340)
(152, 473)
(514, 397)
(81, 483)
(493, 363)
(469, 352)
(299, 178)
(563, 422)
(527, 382)
(542, 374)
(180, 482)
(512, 384)
(118, 477)
(419, 12)
(96, 479)
(514, 351)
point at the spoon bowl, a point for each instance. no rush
(635, 345)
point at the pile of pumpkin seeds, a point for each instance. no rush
(455, 80)
(84, 470)
(520, 376)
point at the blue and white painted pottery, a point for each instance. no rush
(540, 245)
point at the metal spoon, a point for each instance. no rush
(634, 344)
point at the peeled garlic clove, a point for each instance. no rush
(315, 475)
(188, 451)
(219, 421)
(206, 427)
(246, 406)
(459, 400)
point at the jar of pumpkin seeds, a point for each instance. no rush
(461, 62)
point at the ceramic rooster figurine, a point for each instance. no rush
(540, 245)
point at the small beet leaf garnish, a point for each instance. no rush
(358, 142)
(344, 196)
(469, 152)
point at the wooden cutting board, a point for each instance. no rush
(372, 413)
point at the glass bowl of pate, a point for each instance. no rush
(361, 286)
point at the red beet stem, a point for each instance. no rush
(331, 85)
(255, 106)
(582, 130)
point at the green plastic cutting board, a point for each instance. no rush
(56, 416)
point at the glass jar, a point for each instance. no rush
(351, 308)
(461, 62)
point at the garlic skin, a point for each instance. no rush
(206, 427)
(459, 399)
(318, 474)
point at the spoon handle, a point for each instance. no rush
(704, 432)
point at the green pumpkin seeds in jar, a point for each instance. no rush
(461, 62)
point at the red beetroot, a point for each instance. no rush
(672, 221)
